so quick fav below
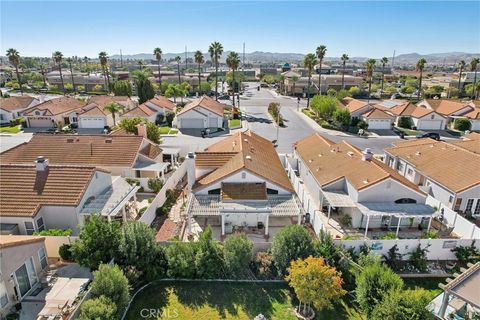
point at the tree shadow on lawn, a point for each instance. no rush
(229, 297)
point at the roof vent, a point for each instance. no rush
(367, 154)
(320, 155)
(41, 164)
(310, 160)
(350, 154)
(109, 140)
(365, 181)
(70, 140)
(248, 157)
(418, 153)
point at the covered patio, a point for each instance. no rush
(150, 170)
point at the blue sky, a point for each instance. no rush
(372, 29)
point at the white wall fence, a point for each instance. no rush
(149, 215)
(461, 226)
(439, 249)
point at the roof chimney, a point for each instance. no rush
(142, 129)
(367, 154)
(191, 175)
(41, 164)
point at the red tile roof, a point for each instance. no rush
(206, 103)
(15, 103)
(56, 106)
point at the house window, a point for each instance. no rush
(43, 258)
(3, 295)
(477, 207)
(399, 166)
(272, 191)
(432, 116)
(214, 191)
(469, 206)
(137, 174)
(74, 119)
(40, 224)
(450, 199)
(244, 175)
(405, 200)
(29, 228)
(409, 171)
(1, 116)
(458, 203)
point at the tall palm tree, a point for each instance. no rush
(233, 61)
(178, 59)
(114, 108)
(14, 59)
(370, 66)
(419, 67)
(43, 70)
(321, 51)
(344, 59)
(158, 55)
(309, 63)
(69, 61)
(294, 80)
(215, 50)
(384, 62)
(58, 57)
(473, 67)
(199, 60)
(102, 56)
(461, 66)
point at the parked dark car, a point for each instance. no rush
(431, 135)
(224, 97)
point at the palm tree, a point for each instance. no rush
(178, 59)
(157, 52)
(14, 59)
(309, 63)
(69, 61)
(199, 60)
(370, 66)
(294, 80)
(344, 59)
(102, 56)
(233, 61)
(321, 51)
(113, 107)
(419, 67)
(215, 50)
(43, 70)
(461, 66)
(384, 62)
(58, 57)
(473, 67)
(140, 64)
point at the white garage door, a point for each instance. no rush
(92, 123)
(429, 125)
(379, 124)
(41, 122)
(192, 123)
(213, 122)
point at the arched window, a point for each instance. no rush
(405, 200)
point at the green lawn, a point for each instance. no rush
(14, 129)
(408, 132)
(226, 300)
(167, 130)
(233, 123)
(429, 284)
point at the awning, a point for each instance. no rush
(338, 199)
(171, 151)
(159, 167)
(401, 210)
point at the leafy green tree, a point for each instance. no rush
(122, 88)
(14, 59)
(342, 94)
(169, 117)
(418, 258)
(407, 90)
(344, 59)
(58, 57)
(130, 124)
(354, 91)
(70, 61)
(342, 116)
(113, 108)
(309, 63)
(199, 60)
(419, 67)
(473, 68)
(205, 86)
(320, 52)
(215, 50)
(178, 59)
(157, 52)
(237, 252)
(101, 308)
(324, 106)
(467, 254)
(109, 281)
(462, 124)
(403, 305)
(171, 92)
(144, 86)
(291, 243)
(181, 260)
(97, 242)
(405, 122)
(209, 256)
(373, 283)
(155, 184)
(153, 133)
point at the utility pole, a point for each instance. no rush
(243, 63)
(121, 58)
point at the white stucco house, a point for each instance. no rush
(239, 184)
(94, 116)
(377, 119)
(449, 172)
(56, 112)
(42, 196)
(151, 110)
(11, 108)
(420, 117)
(201, 113)
(356, 107)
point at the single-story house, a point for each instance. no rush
(356, 107)
(449, 109)
(240, 184)
(201, 113)
(474, 118)
(341, 178)
(24, 260)
(12, 107)
(378, 119)
(151, 110)
(56, 112)
(421, 118)
(43, 196)
(129, 156)
(450, 173)
(94, 115)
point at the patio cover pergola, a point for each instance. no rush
(398, 210)
(337, 199)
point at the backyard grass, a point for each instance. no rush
(429, 284)
(14, 129)
(233, 123)
(226, 300)
(167, 130)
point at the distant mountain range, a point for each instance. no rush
(270, 57)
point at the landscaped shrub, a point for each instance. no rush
(263, 265)
(65, 253)
(237, 252)
(462, 124)
(432, 234)
(362, 125)
(53, 232)
(101, 308)
(109, 281)
(209, 256)
(389, 236)
(418, 258)
(132, 181)
(346, 220)
(181, 260)
(155, 184)
(142, 211)
(467, 254)
(169, 118)
(405, 122)
(274, 110)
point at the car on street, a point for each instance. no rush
(431, 135)
(224, 97)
